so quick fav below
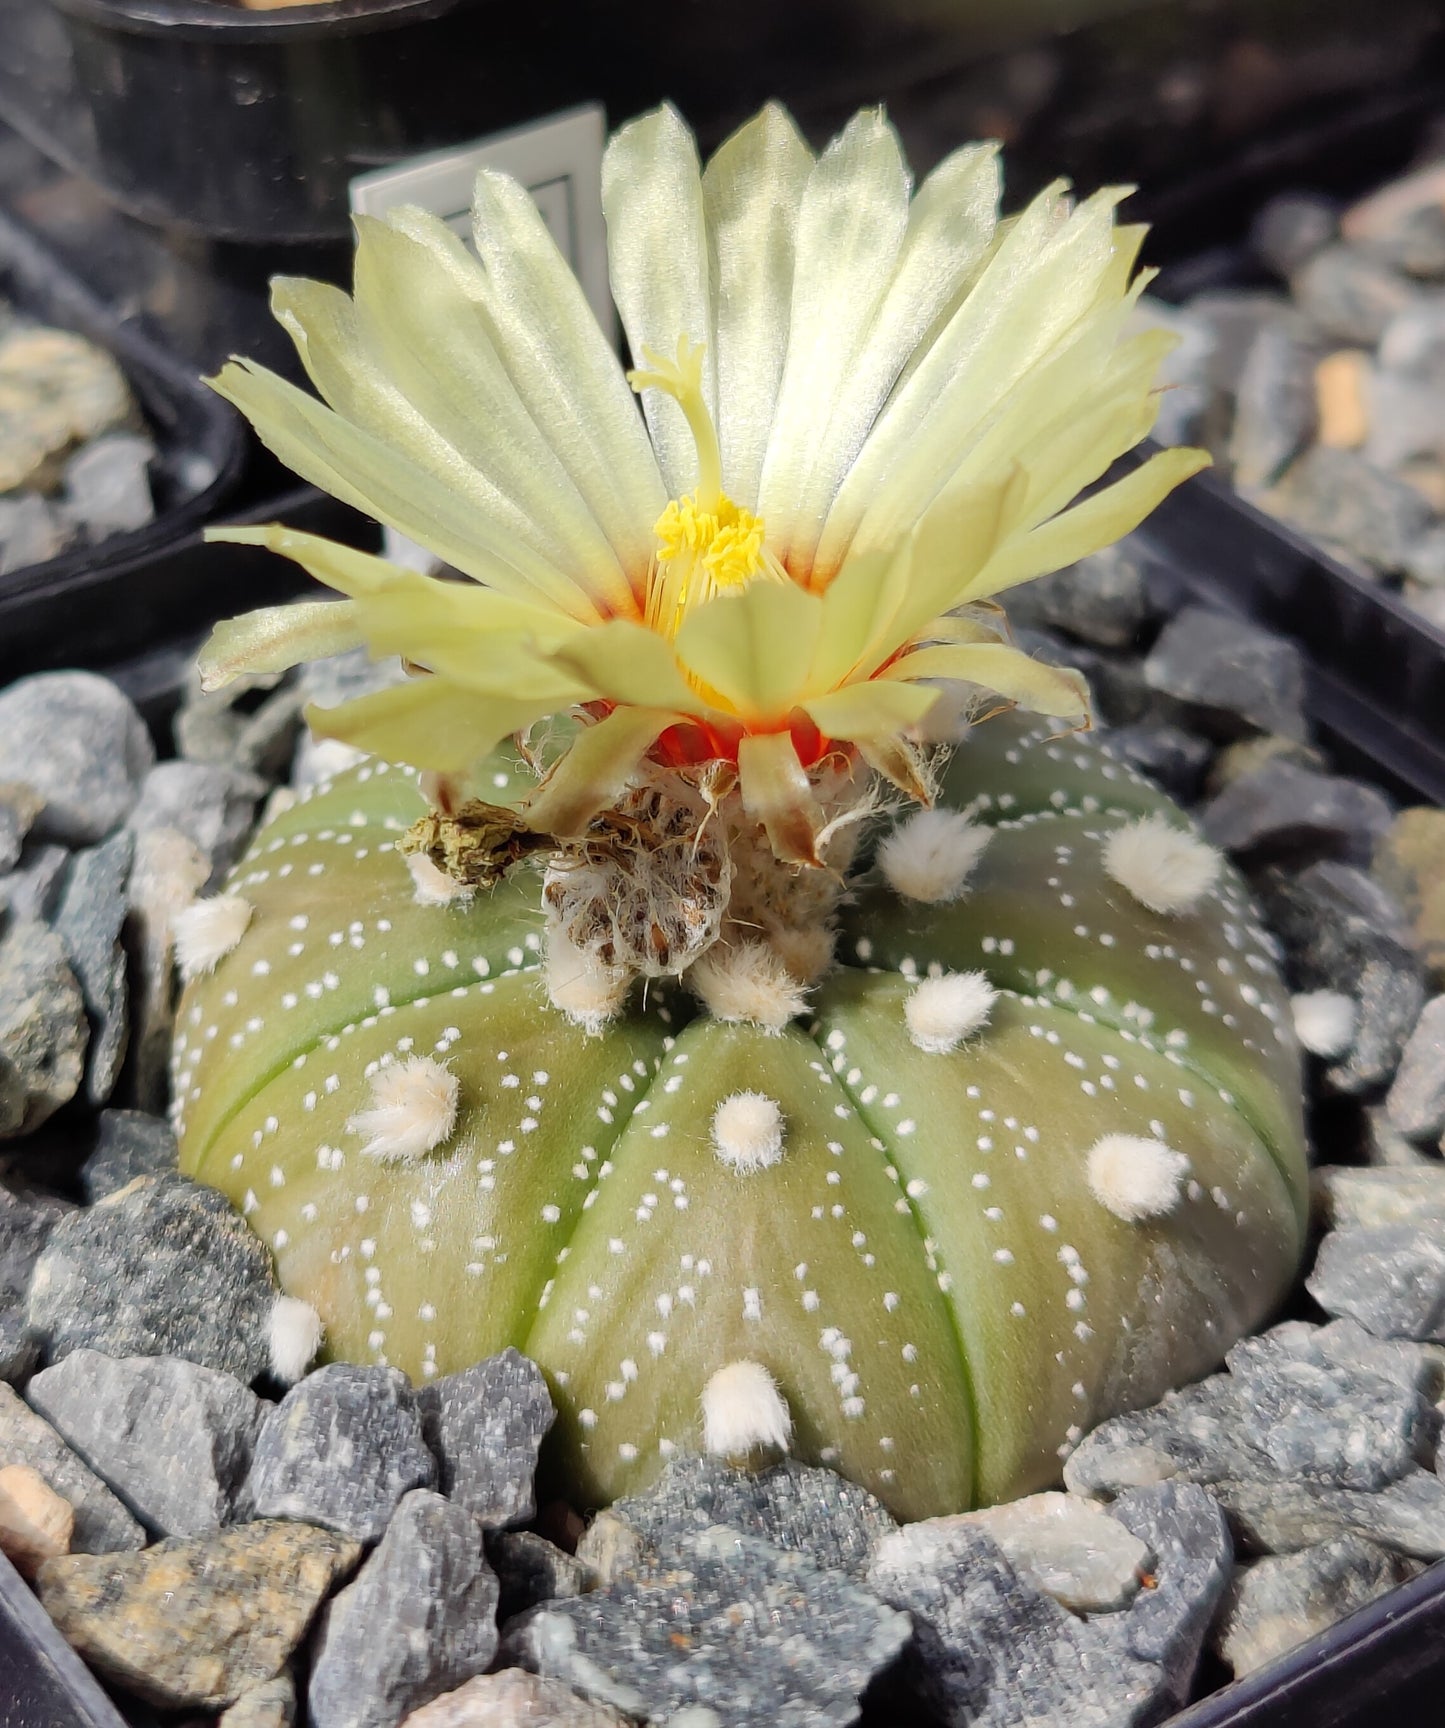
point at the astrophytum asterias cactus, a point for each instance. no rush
(782, 1051)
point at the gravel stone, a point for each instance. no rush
(196, 1624)
(1416, 1100)
(1285, 811)
(418, 1619)
(250, 726)
(1247, 755)
(43, 1030)
(19, 806)
(1390, 1278)
(88, 920)
(30, 531)
(80, 743)
(1338, 497)
(794, 1507)
(1185, 1529)
(485, 1426)
(1350, 295)
(1348, 1409)
(515, 1699)
(211, 803)
(163, 1267)
(171, 1438)
(1279, 1602)
(1275, 415)
(1406, 420)
(1407, 1516)
(107, 485)
(1230, 675)
(1414, 342)
(35, 1523)
(130, 1144)
(1345, 1196)
(1102, 599)
(1410, 866)
(993, 1651)
(102, 1524)
(24, 1227)
(169, 872)
(270, 1705)
(530, 1569)
(1383, 1145)
(32, 888)
(19, 1347)
(340, 1450)
(1290, 229)
(1342, 931)
(1068, 1547)
(770, 1639)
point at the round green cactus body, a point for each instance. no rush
(951, 1247)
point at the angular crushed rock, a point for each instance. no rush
(163, 1267)
(1349, 1409)
(417, 1620)
(340, 1450)
(530, 1569)
(1280, 1517)
(1283, 1599)
(88, 920)
(514, 1698)
(1186, 1530)
(485, 1426)
(213, 804)
(1390, 1278)
(1283, 810)
(43, 1029)
(102, 1524)
(1229, 675)
(173, 1439)
(1344, 1196)
(196, 1624)
(1064, 1545)
(793, 1506)
(270, 1705)
(722, 1621)
(81, 744)
(993, 1651)
(130, 1144)
(1416, 1099)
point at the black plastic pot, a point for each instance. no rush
(199, 439)
(249, 125)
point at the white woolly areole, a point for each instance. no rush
(413, 1109)
(747, 1131)
(942, 1012)
(931, 855)
(433, 886)
(1324, 1021)
(586, 989)
(295, 1337)
(747, 981)
(743, 1408)
(1136, 1178)
(1165, 868)
(208, 930)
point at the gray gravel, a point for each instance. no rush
(43, 1029)
(485, 1426)
(102, 1524)
(88, 920)
(79, 742)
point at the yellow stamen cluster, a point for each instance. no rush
(706, 544)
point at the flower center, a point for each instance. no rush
(706, 544)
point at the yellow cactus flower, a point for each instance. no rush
(865, 413)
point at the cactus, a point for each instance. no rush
(644, 1020)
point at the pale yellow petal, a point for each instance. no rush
(1099, 521)
(851, 223)
(425, 723)
(874, 709)
(276, 638)
(752, 188)
(370, 474)
(1041, 689)
(950, 226)
(624, 662)
(776, 791)
(595, 770)
(564, 368)
(658, 262)
(754, 648)
(420, 301)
